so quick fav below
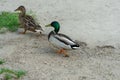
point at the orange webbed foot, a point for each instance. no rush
(63, 51)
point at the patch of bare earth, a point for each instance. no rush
(34, 54)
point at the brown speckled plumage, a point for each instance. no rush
(27, 21)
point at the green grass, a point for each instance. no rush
(10, 74)
(2, 61)
(9, 20)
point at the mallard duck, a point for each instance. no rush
(59, 40)
(27, 21)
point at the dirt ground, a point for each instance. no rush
(95, 22)
(33, 53)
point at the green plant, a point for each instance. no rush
(2, 61)
(9, 20)
(10, 74)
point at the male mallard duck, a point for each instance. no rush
(60, 40)
(27, 21)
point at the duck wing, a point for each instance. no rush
(66, 40)
(29, 21)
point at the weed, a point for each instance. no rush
(9, 74)
(9, 20)
(2, 61)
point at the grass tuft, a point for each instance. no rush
(2, 61)
(9, 74)
(20, 73)
(9, 20)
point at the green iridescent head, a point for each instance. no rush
(54, 24)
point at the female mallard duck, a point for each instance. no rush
(27, 21)
(60, 40)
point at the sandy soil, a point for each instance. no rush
(95, 22)
(34, 54)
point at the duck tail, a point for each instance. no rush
(39, 27)
(75, 46)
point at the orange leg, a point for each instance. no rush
(63, 51)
